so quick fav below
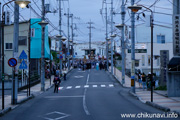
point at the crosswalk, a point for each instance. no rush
(86, 86)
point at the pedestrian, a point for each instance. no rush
(139, 79)
(97, 66)
(56, 81)
(65, 74)
(144, 81)
(57, 72)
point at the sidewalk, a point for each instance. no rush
(35, 90)
(160, 99)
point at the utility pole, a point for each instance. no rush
(107, 46)
(0, 43)
(68, 37)
(15, 55)
(60, 42)
(90, 27)
(42, 50)
(132, 49)
(122, 41)
(111, 37)
(72, 35)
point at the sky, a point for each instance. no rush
(86, 10)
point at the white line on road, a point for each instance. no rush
(103, 85)
(60, 88)
(84, 99)
(86, 86)
(77, 86)
(94, 85)
(64, 96)
(69, 87)
(111, 85)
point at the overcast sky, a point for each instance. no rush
(86, 10)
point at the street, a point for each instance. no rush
(85, 95)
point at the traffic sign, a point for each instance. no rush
(23, 65)
(12, 62)
(23, 55)
(61, 52)
(68, 53)
(61, 57)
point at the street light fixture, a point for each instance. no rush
(19, 2)
(121, 27)
(63, 39)
(22, 3)
(135, 9)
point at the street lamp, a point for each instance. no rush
(121, 27)
(135, 9)
(19, 2)
(22, 3)
(42, 24)
(60, 49)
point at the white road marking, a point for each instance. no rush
(86, 86)
(77, 96)
(111, 85)
(60, 88)
(69, 87)
(78, 76)
(77, 86)
(55, 112)
(103, 85)
(94, 85)
(84, 98)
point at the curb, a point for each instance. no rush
(166, 109)
(2, 112)
(157, 106)
(25, 99)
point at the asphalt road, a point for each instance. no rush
(85, 95)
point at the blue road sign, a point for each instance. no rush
(23, 65)
(74, 56)
(68, 53)
(61, 57)
(12, 62)
(23, 55)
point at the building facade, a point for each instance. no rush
(162, 49)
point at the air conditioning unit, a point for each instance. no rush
(7, 18)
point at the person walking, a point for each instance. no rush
(56, 81)
(144, 81)
(97, 66)
(139, 79)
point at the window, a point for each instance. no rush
(143, 60)
(9, 46)
(149, 60)
(136, 63)
(160, 38)
(22, 40)
(158, 61)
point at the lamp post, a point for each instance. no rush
(22, 4)
(135, 9)
(42, 24)
(60, 49)
(121, 27)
